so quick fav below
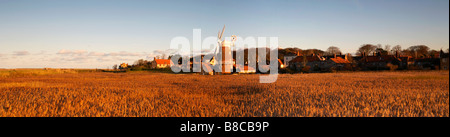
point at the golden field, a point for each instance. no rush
(149, 94)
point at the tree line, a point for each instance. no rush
(417, 51)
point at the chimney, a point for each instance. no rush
(334, 55)
(298, 53)
(374, 53)
(346, 56)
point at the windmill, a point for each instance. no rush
(224, 47)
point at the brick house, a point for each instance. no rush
(160, 63)
(123, 66)
(288, 58)
(427, 63)
(314, 62)
(338, 63)
(379, 62)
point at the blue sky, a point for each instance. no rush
(100, 33)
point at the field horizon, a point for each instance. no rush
(64, 93)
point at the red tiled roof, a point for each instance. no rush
(308, 58)
(279, 61)
(162, 61)
(339, 60)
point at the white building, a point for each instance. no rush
(288, 59)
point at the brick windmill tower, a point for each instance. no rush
(226, 57)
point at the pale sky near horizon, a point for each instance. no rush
(101, 33)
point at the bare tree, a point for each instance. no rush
(379, 46)
(387, 48)
(397, 48)
(140, 62)
(333, 50)
(433, 52)
(114, 66)
(381, 51)
(366, 48)
(312, 51)
(419, 50)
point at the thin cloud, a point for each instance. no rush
(71, 59)
(3, 57)
(94, 57)
(160, 53)
(21, 53)
(71, 52)
(41, 53)
(104, 59)
(96, 54)
(124, 53)
(167, 52)
(99, 54)
(78, 59)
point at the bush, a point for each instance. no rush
(306, 69)
(356, 68)
(392, 67)
(316, 68)
(348, 67)
(137, 68)
(333, 69)
(287, 70)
